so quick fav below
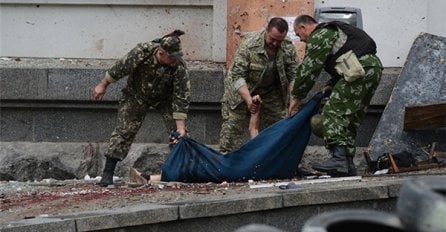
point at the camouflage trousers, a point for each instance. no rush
(347, 105)
(131, 115)
(234, 130)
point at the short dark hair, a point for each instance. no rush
(279, 23)
(304, 19)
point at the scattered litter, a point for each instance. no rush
(406, 161)
(324, 177)
(381, 172)
(316, 177)
(290, 185)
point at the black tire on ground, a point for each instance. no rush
(354, 220)
(421, 206)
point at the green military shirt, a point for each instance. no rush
(319, 47)
(251, 61)
(149, 81)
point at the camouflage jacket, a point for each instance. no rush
(319, 47)
(250, 63)
(148, 81)
(323, 42)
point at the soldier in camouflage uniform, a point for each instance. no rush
(264, 65)
(328, 46)
(157, 78)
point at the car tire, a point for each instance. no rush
(354, 220)
(421, 205)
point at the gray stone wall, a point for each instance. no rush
(50, 100)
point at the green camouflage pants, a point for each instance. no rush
(234, 128)
(131, 115)
(347, 105)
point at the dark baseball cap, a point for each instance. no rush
(172, 45)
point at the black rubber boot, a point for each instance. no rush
(351, 169)
(337, 164)
(351, 166)
(107, 175)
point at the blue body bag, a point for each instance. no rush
(274, 153)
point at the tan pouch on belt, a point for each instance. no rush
(348, 66)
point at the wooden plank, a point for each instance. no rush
(425, 116)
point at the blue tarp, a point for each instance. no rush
(274, 153)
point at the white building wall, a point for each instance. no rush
(108, 29)
(394, 24)
(104, 29)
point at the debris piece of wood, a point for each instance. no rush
(425, 116)
(436, 159)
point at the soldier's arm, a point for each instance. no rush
(128, 63)
(101, 89)
(121, 68)
(291, 63)
(239, 69)
(319, 47)
(181, 93)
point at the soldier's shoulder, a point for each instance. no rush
(288, 42)
(252, 39)
(147, 46)
(326, 30)
(181, 66)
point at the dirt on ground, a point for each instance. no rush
(49, 197)
(25, 200)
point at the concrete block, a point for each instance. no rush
(231, 205)
(394, 190)
(384, 89)
(63, 125)
(19, 84)
(125, 217)
(16, 125)
(205, 126)
(207, 85)
(40, 224)
(74, 84)
(422, 81)
(334, 195)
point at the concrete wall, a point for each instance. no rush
(107, 29)
(50, 100)
(394, 24)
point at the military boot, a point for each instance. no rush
(337, 164)
(351, 169)
(351, 166)
(107, 174)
